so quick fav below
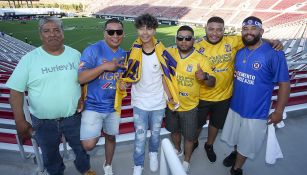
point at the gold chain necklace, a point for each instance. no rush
(250, 54)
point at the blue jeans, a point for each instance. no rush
(48, 134)
(144, 120)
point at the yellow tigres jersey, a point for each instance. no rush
(221, 57)
(188, 85)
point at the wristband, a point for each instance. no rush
(206, 76)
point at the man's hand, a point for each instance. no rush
(277, 45)
(112, 66)
(24, 130)
(199, 74)
(80, 105)
(275, 118)
(122, 85)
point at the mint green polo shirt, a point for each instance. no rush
(51, 82)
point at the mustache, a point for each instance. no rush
(53, 38)
(249, 35)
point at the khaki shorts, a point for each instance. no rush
(92, 122)
(247, 134)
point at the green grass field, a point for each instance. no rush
(80, 32)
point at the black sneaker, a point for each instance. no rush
(236, 172)
(195, 146)
(210, 153)
(231, 159)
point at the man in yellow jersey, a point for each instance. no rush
(220, 51)
(189, 73)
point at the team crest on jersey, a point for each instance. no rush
(189, 68)
(256, 65)
(201, 50)
(227, 47)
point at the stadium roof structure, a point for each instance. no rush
(20, 2)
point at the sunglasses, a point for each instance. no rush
(186, 38)
(112, 32)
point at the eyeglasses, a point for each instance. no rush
(186, 38)
(112, 32)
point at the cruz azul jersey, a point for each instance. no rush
(188, 85)
(100, 92)
(256, 73)
(221, 58)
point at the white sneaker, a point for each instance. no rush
(179, 153)
(107, 169)
(186, 167)
(137, 170)
(153, 161)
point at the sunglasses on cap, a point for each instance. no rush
(186, 38)
(112, 32)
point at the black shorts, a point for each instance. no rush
(218, 111)
(184, 122)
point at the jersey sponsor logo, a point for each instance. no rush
(257, 65)
(245, 78)
(220, 58)
(219, 70)
(189, 68)
(184, 81)
(184, 94)
(227, 47)
(110, 76)
(108, 85)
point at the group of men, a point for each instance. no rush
(184, 84)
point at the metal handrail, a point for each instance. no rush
(169, 161)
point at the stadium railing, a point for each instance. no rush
(169, 161)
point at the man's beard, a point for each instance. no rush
(251, 42)
(185, 50)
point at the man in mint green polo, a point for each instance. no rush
(49, 73)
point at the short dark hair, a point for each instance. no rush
(254, 18)
(146, 20)
(186, 28)
(113, 20)
(215, 19)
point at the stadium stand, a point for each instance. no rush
(284, 4)
(265, 4)
(285, 18)
(265, 15)
(303, 8)
(231, 4)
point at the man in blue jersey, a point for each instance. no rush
(49, 74)
(99, 70)
(258, 68)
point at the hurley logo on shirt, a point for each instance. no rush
(56, 68)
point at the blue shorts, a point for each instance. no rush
(92, 122)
